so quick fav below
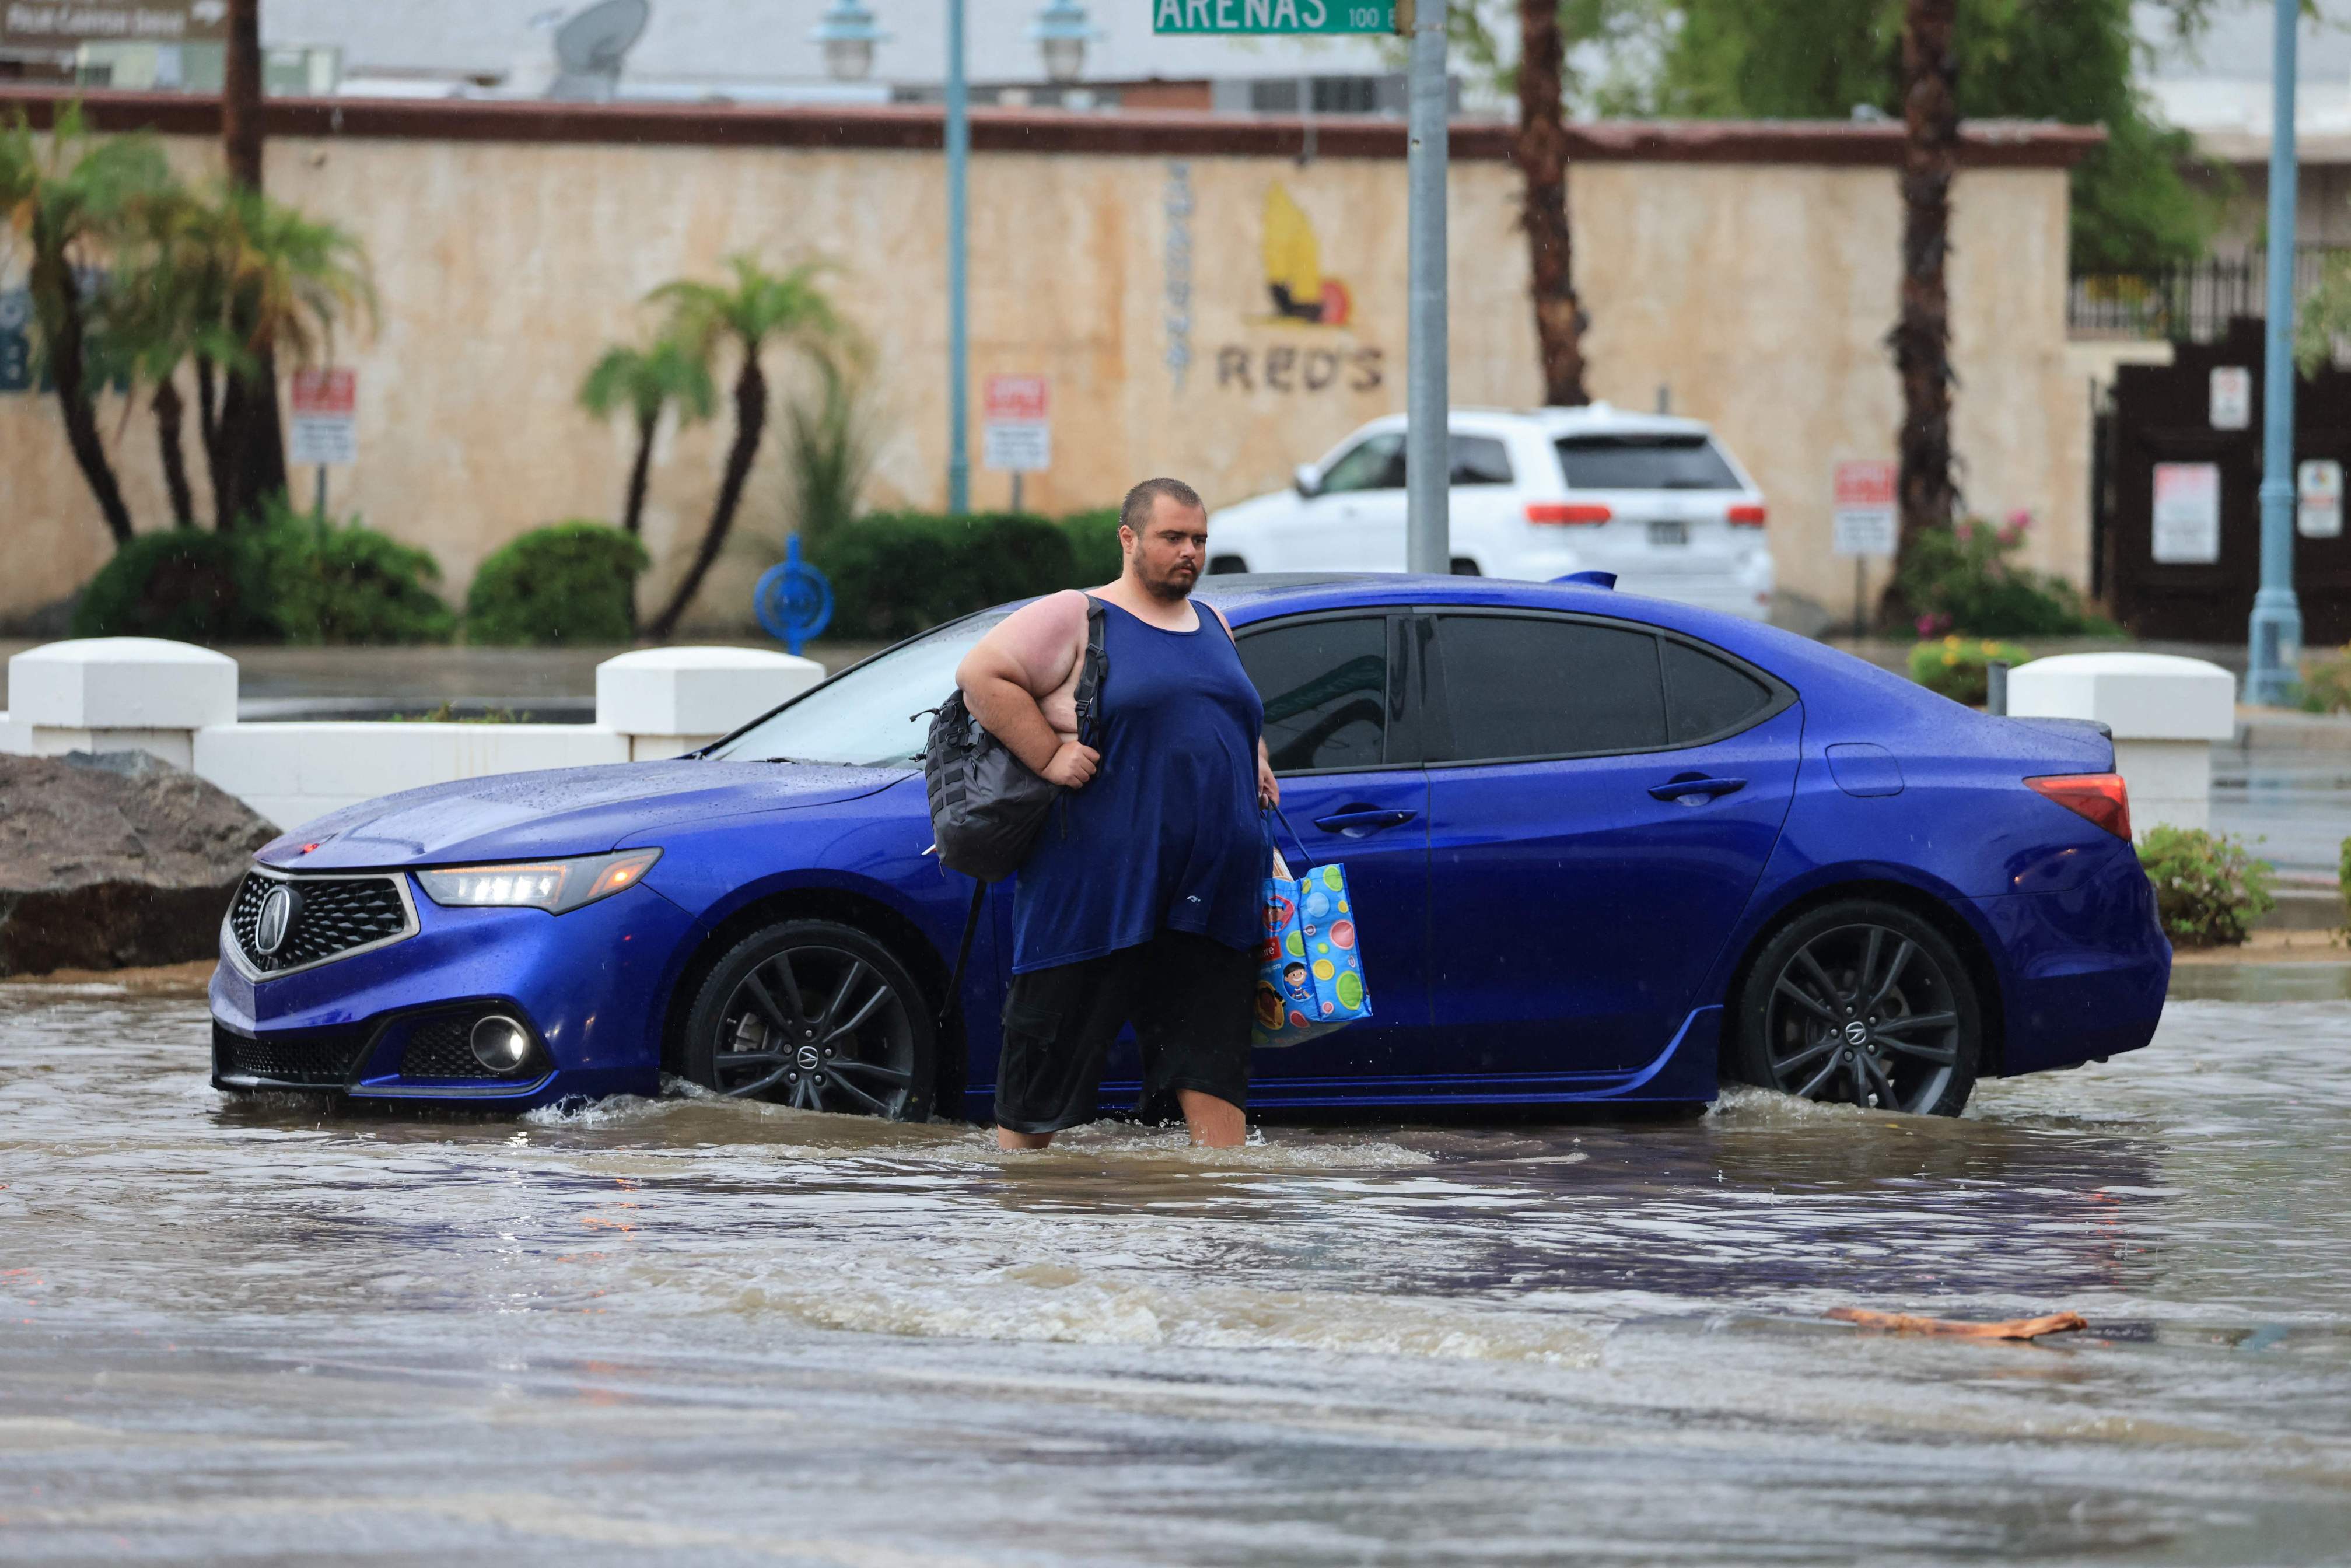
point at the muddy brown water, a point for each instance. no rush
(255, 1332)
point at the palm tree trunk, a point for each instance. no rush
(750, 419)
(169, 416)
(1540, 153)
(53, 281)
(240, 95)
(251, 438)
(208, 435)
(1922, 335)
(632, 510)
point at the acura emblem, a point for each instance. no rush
(807, 1057)
(1856, 1033)
(277, 912)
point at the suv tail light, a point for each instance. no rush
(1745, 516)
(2102, 798)
(1566, 512)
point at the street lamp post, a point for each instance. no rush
(1062, 32)
(958, 143)
(848, 36)
(2275, 634)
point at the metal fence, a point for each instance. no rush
(2191, 303)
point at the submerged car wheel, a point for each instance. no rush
(817, 1015)
(1862, 1003)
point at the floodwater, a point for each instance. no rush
(254, 1331)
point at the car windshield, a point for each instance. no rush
(1650, 462)
(874, 717)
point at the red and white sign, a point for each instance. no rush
(324, 431)
(1864, 512)
(1015, 432)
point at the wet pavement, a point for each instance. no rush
(254, 1331)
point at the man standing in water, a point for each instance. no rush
(1146, 910)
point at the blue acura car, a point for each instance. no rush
(1601, 849)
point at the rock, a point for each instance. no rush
(115, 860)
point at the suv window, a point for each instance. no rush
(1707, 696)
(1325, 685)
(1644, 463)
(1375, 462)
(1520, 686)
(1480, 460)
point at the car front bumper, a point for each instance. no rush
(387, 1024)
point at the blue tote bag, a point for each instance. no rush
(1311, 967)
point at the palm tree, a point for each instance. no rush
(830, 439)
(1921, 338)
(758, 309)
(645, 382)
(69, 206)
(1540, 151)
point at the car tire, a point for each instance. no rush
(816, 1015)
(1860, 1002)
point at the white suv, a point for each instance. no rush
(1536, 493)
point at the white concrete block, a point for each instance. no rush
(2170, 782)
(696, 691)
(121, 682)
(2139, 696)
(174, 746)
(660, 748)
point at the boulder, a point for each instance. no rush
(115, 860)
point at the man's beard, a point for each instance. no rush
(1170, 590)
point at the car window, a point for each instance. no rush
(1374, 463)
(1644, 463)
(1540, 687)
(875, 715)
(1707, 696)
(1325, 685)
(1480, 460)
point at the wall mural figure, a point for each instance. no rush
(1293, 264)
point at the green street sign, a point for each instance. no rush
(1273, 16)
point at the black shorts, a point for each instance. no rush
(1189, 1000)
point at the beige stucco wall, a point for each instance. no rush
(1759, 294)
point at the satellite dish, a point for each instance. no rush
(589, 48)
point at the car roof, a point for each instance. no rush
(1593, 419)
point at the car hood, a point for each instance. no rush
(560, 811)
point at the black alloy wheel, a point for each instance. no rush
(1865, 1004)
(815, 1015)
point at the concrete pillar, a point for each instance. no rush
(118, 693)
(670, 701)
(2166, 713)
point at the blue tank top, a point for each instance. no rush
(1166, 834)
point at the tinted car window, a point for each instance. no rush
(1530, 687)
(1705, 696)
(872, 715)
(1325, 685)
(1644, 463)
(1480, 460)
(1375, 463)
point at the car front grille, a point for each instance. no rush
(443, 1048)
(333, 916)
(311, 1061)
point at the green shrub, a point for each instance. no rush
(1955, 666)
(1093, 537)
(184, 584)
(2326, 682)
(2210, 891)
(570, 582)
(343, 583)
(897, 573)
(1964, 579)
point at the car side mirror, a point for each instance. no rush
(1306, 480)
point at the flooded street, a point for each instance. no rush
(252, 1331)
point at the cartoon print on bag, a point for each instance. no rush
(1293, 980)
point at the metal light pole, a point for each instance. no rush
(958, 140)
(2276, 631)
(1427, 461)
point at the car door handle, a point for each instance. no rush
(1683, 788)
(1357, 820)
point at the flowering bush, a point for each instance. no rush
(1955, 666)
(2210, 891)
(1966, 578)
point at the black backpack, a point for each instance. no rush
(987, 805)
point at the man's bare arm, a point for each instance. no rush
(1008, 673)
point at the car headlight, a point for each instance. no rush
(552, 885)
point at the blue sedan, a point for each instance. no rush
(1601, 848)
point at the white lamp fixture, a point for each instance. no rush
(848, 34)
(1063, 32)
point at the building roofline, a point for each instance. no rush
(1164, 133)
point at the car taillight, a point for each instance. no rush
(2103, 798)
(1566, 512)
(1745, 516)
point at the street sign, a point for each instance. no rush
(2318, 492)
(1273, 16)
(1864, 513)
(324, 430)
(2186, 523)
(61, 25)
(1017, 436)
(2232, 397)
